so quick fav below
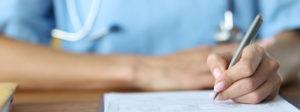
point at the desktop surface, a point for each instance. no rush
(89, 100)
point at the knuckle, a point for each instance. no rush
(259, 49)
(253, 50)
(249, 48)
(274, 64)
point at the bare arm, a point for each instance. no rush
(36, 67)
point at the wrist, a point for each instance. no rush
(138, 69)
(108, 72)
(123, 69)
(144, 69)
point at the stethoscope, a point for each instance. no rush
(227, 32)
(84, 28)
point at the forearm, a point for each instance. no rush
(285, 48)
(36, 67)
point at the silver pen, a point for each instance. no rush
(248, 38)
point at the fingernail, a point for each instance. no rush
(219, 86)
(216, 73)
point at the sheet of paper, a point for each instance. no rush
(188, 101)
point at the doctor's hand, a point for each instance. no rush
(180, 71)
(253, 79)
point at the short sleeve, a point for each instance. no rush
(279, 15)
(32, 21)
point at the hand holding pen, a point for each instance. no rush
(248, 76)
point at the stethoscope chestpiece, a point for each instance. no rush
(228, 32)
(233, 35)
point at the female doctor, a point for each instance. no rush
(149, 45)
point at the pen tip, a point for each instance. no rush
(215, 94)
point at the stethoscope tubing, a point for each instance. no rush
(85, 28)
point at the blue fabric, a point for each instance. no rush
(6, 7)
(152, 27)
(31, 21)
(279, 15)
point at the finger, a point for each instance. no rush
(261, 93)
(218, 63)
(245, 67)
(266, 69)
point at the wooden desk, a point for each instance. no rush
(88, 101)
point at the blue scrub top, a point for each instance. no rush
(7, 7)
(149, 27)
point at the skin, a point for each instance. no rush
(255, 77)
(251, 80)
(184, 70)
(38, 67)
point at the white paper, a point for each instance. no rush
(190, 101)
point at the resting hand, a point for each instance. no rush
(252, 79)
